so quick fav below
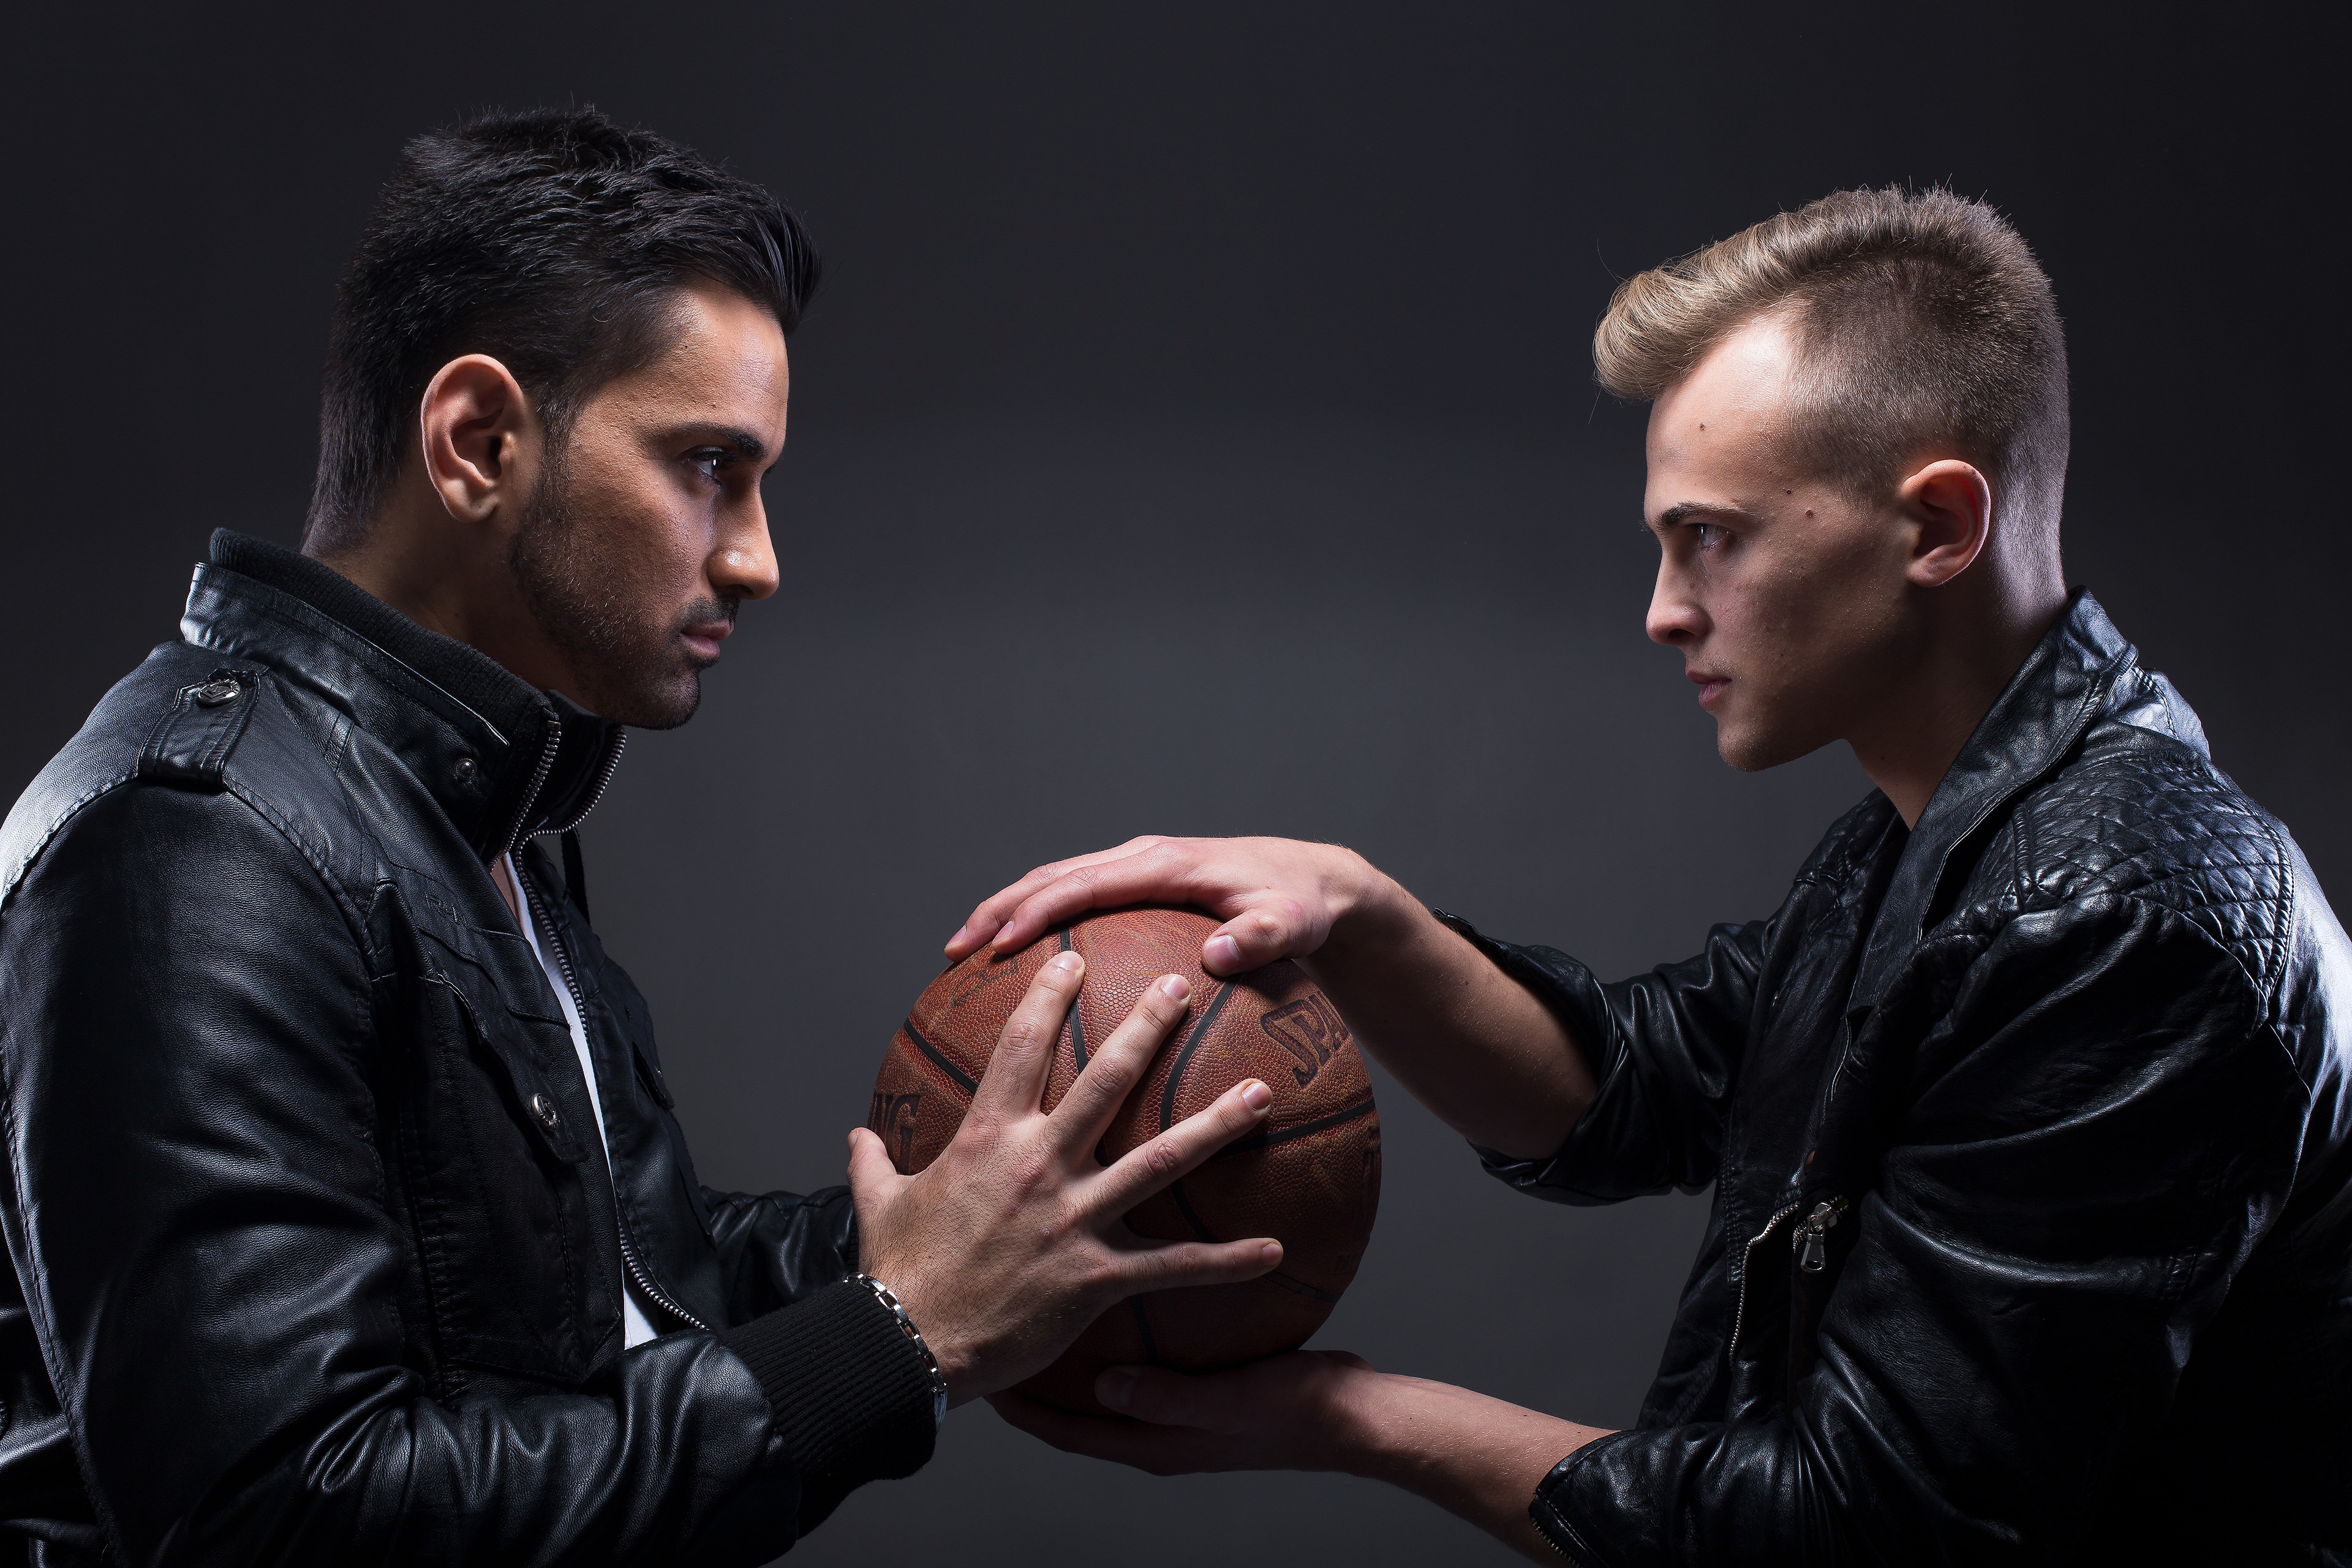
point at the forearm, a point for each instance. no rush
(1464, 1038)
(1468, 1040)
(1478, 1458)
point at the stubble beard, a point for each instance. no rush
(588, 603)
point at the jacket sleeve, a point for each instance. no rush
(774, 1248)
(2100, 1127)
(198, 1215)
(1664, 1051)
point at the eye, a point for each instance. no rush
(709, 461)
(1708, 535)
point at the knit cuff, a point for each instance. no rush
(852, 1395)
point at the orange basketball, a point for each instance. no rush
(1309, 1176)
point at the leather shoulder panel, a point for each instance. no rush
(105, 754)
(2144, 815)
(193, 741)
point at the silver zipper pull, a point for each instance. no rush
(1813, 1253)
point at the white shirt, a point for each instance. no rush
(636, 1326)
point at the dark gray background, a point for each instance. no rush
(1196, 433)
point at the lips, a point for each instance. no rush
(1710, 684)
(702, 640)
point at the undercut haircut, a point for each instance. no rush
(1924, 326)
(554, 241)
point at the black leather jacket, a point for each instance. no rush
(315, 1255)
(2032, 1151)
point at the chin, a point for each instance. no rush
(655, 704)
(1753, 748)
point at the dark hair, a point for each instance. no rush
(1922, 321)
(554, 240)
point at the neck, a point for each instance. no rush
(454, 580)
(1930, 713)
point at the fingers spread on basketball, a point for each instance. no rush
(1140, 872)
(1027, 1225)
(1103, 1084)
(1016, 1080)
(1161, 1160)
(1275, 929)
(990, 917)
(1180, 1265)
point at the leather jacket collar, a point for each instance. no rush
(2081, 668)
(505, 762)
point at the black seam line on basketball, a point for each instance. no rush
(1078, 1030)
(1199, 1032)
(1184, 1207)
(1320, 1124)
(971, 1084)
(1290, 1282)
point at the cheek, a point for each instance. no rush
(645, 533)
(1791, 623)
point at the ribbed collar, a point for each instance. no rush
(505, 762)
(2081, 670)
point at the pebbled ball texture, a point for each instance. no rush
(1310, 1175)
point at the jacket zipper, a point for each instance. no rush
(1809, 1241)
(538, 782)
(1748, 1271)
(637, 1269)
(603, 780)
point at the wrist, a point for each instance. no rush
(1372, 914)
(905, 1324)
(1360, 1417)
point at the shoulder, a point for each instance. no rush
(2139, 819)
(190, 757)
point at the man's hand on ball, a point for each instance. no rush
(1294, 1412)
(1278, 898)
(1010, 1243)
(1324, 1410)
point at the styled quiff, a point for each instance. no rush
(1925, 328)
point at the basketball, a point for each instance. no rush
(1308, 1176)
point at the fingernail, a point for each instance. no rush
(959, 931)
(1224, 953)
(1257, 1096)
(1115, 1388)
(1271, 1253)
(1068, 961)
(1175, 987)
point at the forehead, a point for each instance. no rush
(1723, 424)
(725, 362)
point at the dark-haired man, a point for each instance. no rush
(346, 1215)
(2026, 1114)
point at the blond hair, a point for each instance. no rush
(1924, 326)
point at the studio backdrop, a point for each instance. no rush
(1195, 433)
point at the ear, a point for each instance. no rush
(480, 435)
(1950, 506)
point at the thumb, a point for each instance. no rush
(870, 1170)
(1256, 937)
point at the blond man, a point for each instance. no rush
(2026, 1114)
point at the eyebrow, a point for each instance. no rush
(1683, 511)
(747, 446)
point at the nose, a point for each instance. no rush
(1675, 617)
(743, 566)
